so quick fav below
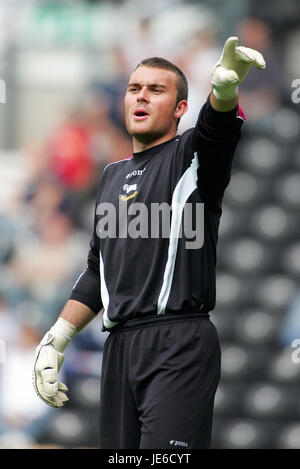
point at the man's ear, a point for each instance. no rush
(181, 108)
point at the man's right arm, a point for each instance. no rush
(49, 357)
(82, 306)
(77, 314)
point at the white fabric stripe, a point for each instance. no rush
(185, 186)
(65, 336)
(115, 162)
(105, 296)
(79, 278)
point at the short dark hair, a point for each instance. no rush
(159, 62)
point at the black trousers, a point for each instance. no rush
(158, 384)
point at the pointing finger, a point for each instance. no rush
(229, 47)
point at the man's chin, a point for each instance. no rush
(145, 136)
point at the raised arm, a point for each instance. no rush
(230, 71)
(217, 131)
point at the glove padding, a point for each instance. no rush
(233, 67)
(48, 361)
(45, 376)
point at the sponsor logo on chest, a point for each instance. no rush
(131, 189)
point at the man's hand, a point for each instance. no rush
(48, 361)
(232, 68)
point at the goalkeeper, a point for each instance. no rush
(161, 360)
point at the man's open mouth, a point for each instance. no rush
(140, 114)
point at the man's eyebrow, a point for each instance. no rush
(158, 85)
(150, 85)
(133, 84)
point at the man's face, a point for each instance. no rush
(150, 104)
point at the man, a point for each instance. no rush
(161, 360)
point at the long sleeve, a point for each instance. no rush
(215, 138)
(87, 287)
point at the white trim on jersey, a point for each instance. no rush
(105, 296)
(119, 161)
(79, 278)
(184, 188)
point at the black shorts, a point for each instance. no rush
(158, 384)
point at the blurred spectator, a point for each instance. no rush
(9, 326)
(6, 239)
(44, 264)
(114, 90)
(46, 196)
(261, 93)
(79, 149)
(69, 150)
(142, 43)
(197, 59)
(22, 415)
(108, 141)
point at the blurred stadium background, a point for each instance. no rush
(65, 65)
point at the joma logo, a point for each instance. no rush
(178, 443)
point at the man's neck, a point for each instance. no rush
(139, 146)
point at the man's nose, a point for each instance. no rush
(143, 94)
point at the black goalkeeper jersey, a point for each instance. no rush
(144, 260)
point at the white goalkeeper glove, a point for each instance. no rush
(233, 67)
(48, 361)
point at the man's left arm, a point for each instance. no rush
(217, 131)
(230, 71)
